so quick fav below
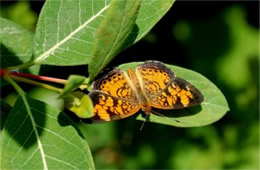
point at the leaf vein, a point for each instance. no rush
(61, 137)
(72, 166)
(47, 53)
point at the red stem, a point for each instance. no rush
(43, 78)
(3, 71)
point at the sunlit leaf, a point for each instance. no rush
(151, 11)
(80, 104)
(113, 33)
(47, 96)
(46, 139)
(212, 109)
(66, 30)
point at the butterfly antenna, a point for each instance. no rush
(146, 118)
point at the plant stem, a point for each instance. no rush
(44, 78)
(16, 87)
(46, 86)
(22, 66)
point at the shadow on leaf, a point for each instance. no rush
(69, 119)
(21, 127)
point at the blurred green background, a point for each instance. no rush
(220, 40)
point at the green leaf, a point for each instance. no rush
(74, 81)
(66, 30)
(4, 110)
(212, 109)
(47, 96)
(149, 14)
(80, 104)
(15, 44)
(46, 139)
(112, 34)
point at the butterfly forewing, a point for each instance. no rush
(164, 90)
(155, 77)
(115, 83)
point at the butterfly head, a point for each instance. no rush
(146, 108)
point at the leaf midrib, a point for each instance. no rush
(46, 54)
(28, 109)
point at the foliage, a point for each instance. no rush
(16, 45)
(30, 144)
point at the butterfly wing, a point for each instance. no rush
(107, 107)
(113, 97)
(177, 95)
(154, 77)
(116, 83)
(164, 90)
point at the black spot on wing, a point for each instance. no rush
(106, 76)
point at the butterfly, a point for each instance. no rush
(118, 94)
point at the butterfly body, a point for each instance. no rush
(152, 85)
(139, 92)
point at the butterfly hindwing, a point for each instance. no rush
(107, 107)
(178, 94)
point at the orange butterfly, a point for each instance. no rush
(118, 95)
